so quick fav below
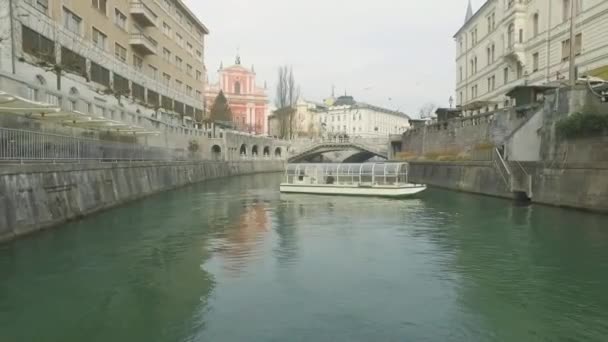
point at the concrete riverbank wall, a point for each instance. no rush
(573, 185)
(36, 197)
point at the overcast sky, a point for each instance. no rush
(393, 53)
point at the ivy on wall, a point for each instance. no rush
(579, 125)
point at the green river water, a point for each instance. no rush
(234, 260)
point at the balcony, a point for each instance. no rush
(143, 14)
(516, 7)
(516, 52)
(143, 44)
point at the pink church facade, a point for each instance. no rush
(248, 102)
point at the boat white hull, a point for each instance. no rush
(375, 191)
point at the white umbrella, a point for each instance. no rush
(13, 104)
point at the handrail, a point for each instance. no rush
(502, 167)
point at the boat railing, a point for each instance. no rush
(369, 174)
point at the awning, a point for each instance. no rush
(13, 104)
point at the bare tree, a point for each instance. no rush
(427, 111)
(287, 95)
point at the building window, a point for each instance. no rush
(139, 92)
(190, 48)
(199, 75)
(189, 90)
(120, 52)
(199, 54)
(99, 39)
(73, 62)
(237, 88)
(475, 64)
(138, 62)
(493, 52)
(100, 74)
(179, 39)
(578, 45)
(520, 71)
(179, 63)
(100, 5)
(521, 35)
(53, 99)
(166, 29)
(166, 79)
(189, 69)
(491, 83)
(511, 35)
(153, 71)
(73, 105)
(120, 19)
(567, 9)
(121, 85)
(506, 75)
(167, 55)
(41, 5)
(179, 85)
(71, 21)
(37, 45)
(535, 24)
(535, 58)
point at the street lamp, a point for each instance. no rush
(451, 101)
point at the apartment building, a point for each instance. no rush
(514, 42)
(122, 59)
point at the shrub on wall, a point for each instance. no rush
(579, 125)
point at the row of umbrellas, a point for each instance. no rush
(12, 104)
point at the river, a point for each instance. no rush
(233, 260)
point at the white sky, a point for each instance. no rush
(394, 53)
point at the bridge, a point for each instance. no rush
(364, 149)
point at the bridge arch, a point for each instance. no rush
(266, 151)
(254, 150)
(364, 150)
(278, 152)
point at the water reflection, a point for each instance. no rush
(232, 260)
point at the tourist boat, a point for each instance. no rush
(368, 179)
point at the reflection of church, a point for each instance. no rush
(248, 102)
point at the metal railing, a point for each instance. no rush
(27, 146)
(502, 168)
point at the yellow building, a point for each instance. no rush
(117, 58)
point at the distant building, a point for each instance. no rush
(305, 123)
(347, 116)
(516, 42)
(248, 102)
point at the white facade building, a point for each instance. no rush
(356, 119)
(514, 42)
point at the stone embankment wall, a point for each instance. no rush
(35, 197)
(573, 185)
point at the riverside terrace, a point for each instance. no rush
(34, 131)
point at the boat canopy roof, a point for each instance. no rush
(376, 169)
